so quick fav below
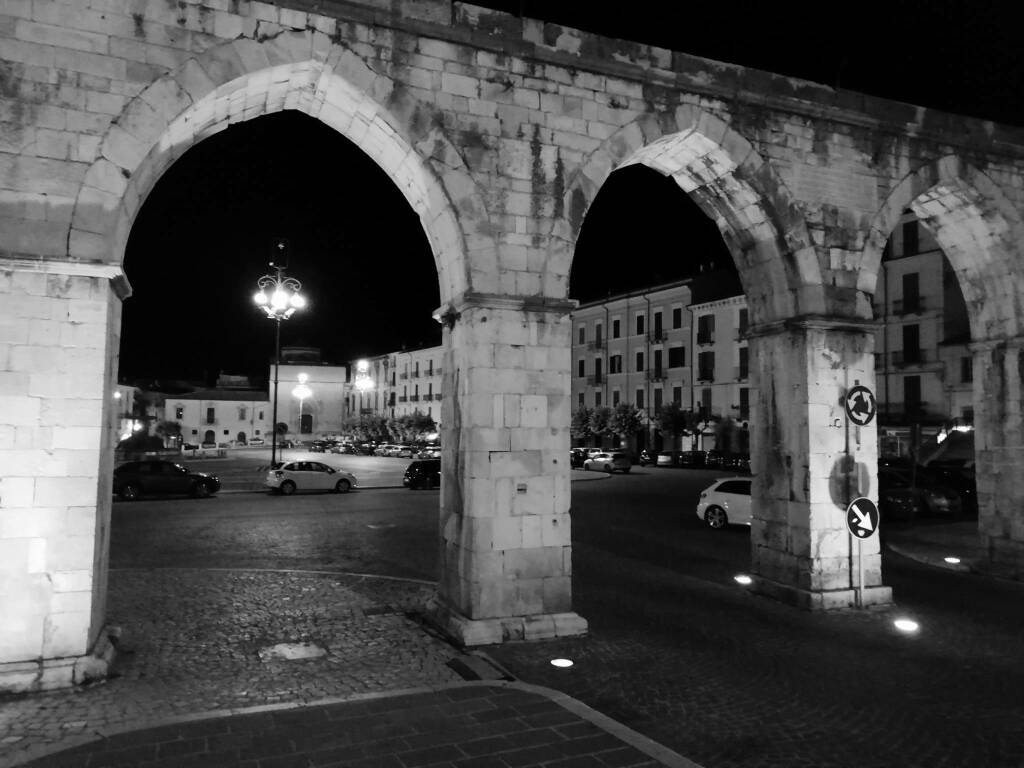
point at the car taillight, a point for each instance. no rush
(278, 473)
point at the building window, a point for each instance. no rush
(657, 398)
(967, 415)
(242, 412)
(598, 334)
(615, 329)
(615, 364)
(744, 404)
(911, 344)
(615, 397)
(744, 324)
(581, 368)
(676, 357)
(209, 416)
(639, 398)
(912, 395)
(639, 361)
(580, 399)
(597, 370)
(416, 372)
(657, 325)
(910, 242)
(677, 395)
(583, 334)
(261, 415)
(639, 324)
(179, 412)
(597, 398)
(706, 329)
(657, 362)
(966, 370)
(705, 403)
(911, 294)
(677, 317)
(744, 371)
(706, 366)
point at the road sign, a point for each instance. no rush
(860, 405)
(862, 517)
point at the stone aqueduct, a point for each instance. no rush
(499, 131)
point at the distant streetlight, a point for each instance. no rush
(302, 391)
(279, 297)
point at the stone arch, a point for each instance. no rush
(304, 71)
(740, 191)
(979, 231)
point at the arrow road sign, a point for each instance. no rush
(862, 517)
(860, 405)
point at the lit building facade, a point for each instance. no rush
(219, 416)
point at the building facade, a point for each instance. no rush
(220, 416)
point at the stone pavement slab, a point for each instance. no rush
(468, 725)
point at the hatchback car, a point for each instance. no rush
(668, 458)
(725, 502)
(576, 457)
(423, 473)
(608, 462)
(154, 478)
(291, 476)
(901, 496)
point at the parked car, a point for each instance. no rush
(344, 448)
(405, 451)
(423, 473)
(961, 479)
(724, 502)
(668, 458)
(647, 457)
(432, 451)
(693, 459)
(739, 462)
(136, 479)
(906, 496)
(609, 462)
(291, 476)
(257, 441)
(209, 445)
(576, 457)
(190, 447)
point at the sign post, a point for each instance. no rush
(862, 520)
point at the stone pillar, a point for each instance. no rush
(59, 329)
(809, 461)
(999, 452)
(506, 556)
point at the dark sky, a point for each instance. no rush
(204, 235)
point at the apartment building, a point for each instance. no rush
(722, 372)
(401, 383)
(634, 347)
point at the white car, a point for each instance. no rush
(725, 501)
(291, 476)
(611, 461)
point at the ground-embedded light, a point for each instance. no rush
(952, 560)
(906, 625)
(743, 579)
(561, 662)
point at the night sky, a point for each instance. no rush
(205, 234)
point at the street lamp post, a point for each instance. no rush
(279, 297)
(302, 391)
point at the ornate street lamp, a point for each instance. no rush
(279, 297)
(302, 391)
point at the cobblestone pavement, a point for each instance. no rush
(731, 679)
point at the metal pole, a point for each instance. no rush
(860, 571)
(277, 363)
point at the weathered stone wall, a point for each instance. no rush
(499, 131)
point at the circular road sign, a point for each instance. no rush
(862, 517)
(860, 405)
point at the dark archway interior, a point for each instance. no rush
(205, 234)
(643, 230)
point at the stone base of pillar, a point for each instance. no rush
(468, 632)
(830, 600)
(50, 674)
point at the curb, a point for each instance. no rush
(966, 565)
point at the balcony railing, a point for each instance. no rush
(908, 306)
(741, 372)
(705, 338)
(706, 374)
(403, 376)
(403, 399)
(437, 396)
(741, 334)
(907, 357)
(596, 344)
(595, 380)
(414, 398)
(655, 374)
(656, 335)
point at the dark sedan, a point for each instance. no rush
(161, 478)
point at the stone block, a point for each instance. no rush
(537, 563)
(66, 634)
(16, 492)
(68, 553)
(529, 597)
(533, 411)
(533, 496)
(507, 534)
(557, 592)
(515, 464)
(22, 638)
(569, 624)
(538, 627)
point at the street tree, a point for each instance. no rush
(625, 420)
(672, 419)
(579, 429)
(598, 421)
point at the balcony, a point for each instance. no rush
(595, 381)
(908, 306)
(705, 338)
(415, 375)
(742, 333)
(414, 399)
(596, 345)
(741, 372)
(910, 357)
(403, 376)
(656, 335)
(403, 399)
(655, 374)
(706, 374)
(437, 396)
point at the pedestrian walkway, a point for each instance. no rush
(954, 546)
(260, 668)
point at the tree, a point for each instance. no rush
(599, 421)
(672, 419)
(625, 420)
(168, 430)
(579, 429)
(282, 429)
(411, 427)
(726, 436)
